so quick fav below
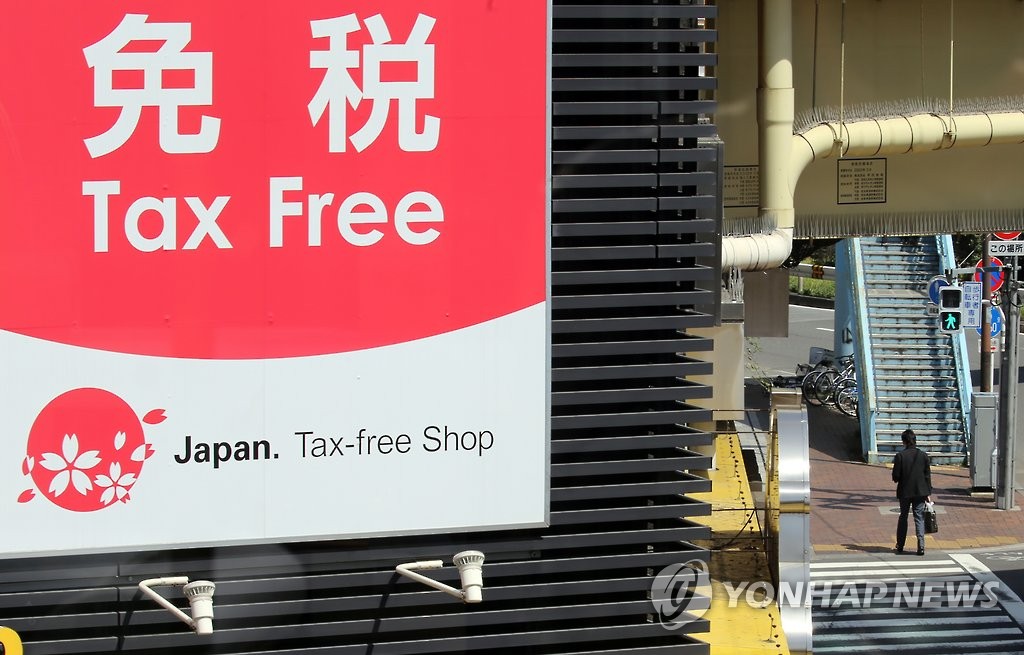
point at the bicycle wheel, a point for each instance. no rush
(847, 401)
(825, 387)
(807, 387)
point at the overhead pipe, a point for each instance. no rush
(899, 135)
(775, 118)
(783, 155)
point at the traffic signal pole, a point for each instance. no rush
(1008, 390)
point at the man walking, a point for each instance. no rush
(912, 473)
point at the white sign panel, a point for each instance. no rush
(276, 290)
(1005, 248)
(972, 304)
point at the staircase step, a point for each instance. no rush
(912, 400)
(922, 370)
(924, 407)
(926, 444)
(876, 317)
(924, 437)
(909, 330)
(911, 346)
(935, 418)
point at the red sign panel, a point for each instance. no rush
(995, 278)
(1007, 236)
(190, 180)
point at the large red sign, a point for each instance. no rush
(191, 180)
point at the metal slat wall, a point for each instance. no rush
(634, 211)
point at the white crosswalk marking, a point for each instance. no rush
(949, 605)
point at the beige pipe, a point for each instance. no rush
(783, 156)
(903, 134)
(775, 116)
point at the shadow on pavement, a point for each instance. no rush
(833, 434)
(859, 548)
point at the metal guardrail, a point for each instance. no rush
(811, 272)
(944, 243)
(867, 399)
(814, 271)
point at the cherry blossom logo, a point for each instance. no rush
(86, 450)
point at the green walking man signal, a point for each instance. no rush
(951, 301)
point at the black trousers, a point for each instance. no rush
(917, 503)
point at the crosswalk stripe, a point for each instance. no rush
(945, 612)
(891, 575)
(852, 613)
(931, 636)
(975, 646)
(907, 623)
(895, 564)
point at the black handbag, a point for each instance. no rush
(931, 521)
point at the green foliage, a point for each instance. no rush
(752, 347)
(814, 288)
(967, 248)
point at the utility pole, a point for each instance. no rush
(986, 310)
(1008, 390)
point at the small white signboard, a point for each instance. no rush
(1006, 248)
(972, 304)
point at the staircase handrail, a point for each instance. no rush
(867, 402)
(944, 243)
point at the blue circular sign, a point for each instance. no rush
(995, 323)
(934, 285)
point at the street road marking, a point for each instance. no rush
(1007, 598)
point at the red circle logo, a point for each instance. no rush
(86, 449)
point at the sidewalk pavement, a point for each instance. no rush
(854, 506)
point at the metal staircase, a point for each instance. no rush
(916, 376)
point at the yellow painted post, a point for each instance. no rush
(11, 642)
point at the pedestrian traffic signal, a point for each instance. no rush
(951, 301)
(950, 320)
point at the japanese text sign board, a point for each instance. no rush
(972, 304)
(1006, 248)
(274, 274)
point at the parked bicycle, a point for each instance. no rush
(822, 385)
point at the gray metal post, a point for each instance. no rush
(1008, 391)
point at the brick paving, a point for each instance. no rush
(852, 502)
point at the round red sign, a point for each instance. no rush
(995, 278)
(1007, 236)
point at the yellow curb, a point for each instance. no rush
(736, 556)
(988, 541)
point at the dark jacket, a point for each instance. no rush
(912, 473)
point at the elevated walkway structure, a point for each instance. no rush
(912, 375)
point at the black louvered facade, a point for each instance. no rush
(634, 197)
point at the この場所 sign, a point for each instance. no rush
(266, 274)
